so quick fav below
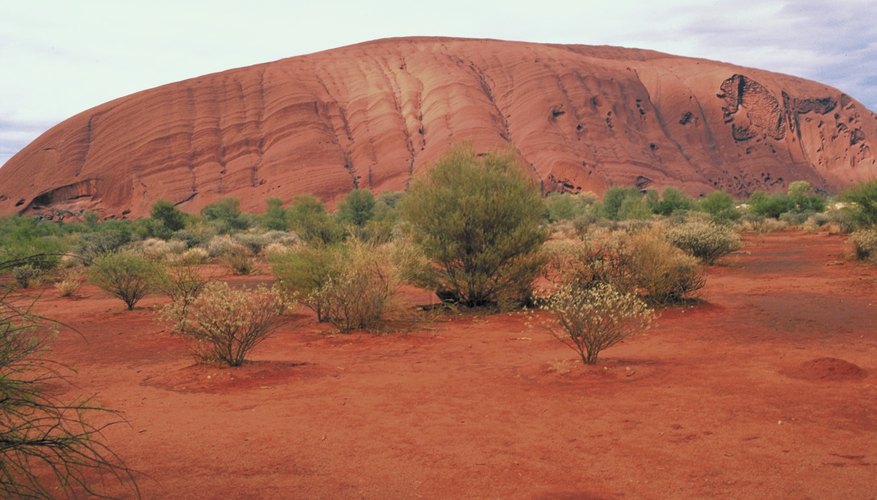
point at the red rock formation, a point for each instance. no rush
(374, 114)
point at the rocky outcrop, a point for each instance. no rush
(373, 115)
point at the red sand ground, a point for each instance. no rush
(731, 398)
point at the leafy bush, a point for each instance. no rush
(357, 208)
(274, 217)
(39, 432)
(124, 275)
(225, 324)
(865, 244)
(166, 218)
(566, 206)
(183, 284)
(864, 196)
(225, 215)
(478, 219)
(662, 272)
(720, 206)
(309, 219)
(672, 200)
(303, 272)
(630, 198)
(705, 240)
(595, 318)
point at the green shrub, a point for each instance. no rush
(595, 318)
(304, 271)
(864, 196)
(357, 208)
(720, 206)
(309, 219)
(615, 197)
(225, 324)
(166, 218)
(274, 217)
(865, 244)
(566, 206)
(226, 216)
(478, 219)
(672, 200)
(705, 240)
(126, 276)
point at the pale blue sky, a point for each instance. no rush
(60, 57)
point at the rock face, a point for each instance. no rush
(376, 114)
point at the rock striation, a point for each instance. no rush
(377, 113)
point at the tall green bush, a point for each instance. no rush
(477, 218)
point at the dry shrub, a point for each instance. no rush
(158, 249)
(239, 261)
(27, 275)
(70, 282)
(359, 294)
(221, 245)
(192, 256)
(225, 324)
(707, 241)
(593, 318)
(599, 259)
(760, 224)
(865, 244)
(663, 273)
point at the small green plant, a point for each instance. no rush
(707, 241)
(308, 218)
(127, 276)
(593, 318)
(225, 324)
(865, 244)
(357, 208)
(226, 216)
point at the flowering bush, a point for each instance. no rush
(224, 323)
(597, 317)
(705, 240)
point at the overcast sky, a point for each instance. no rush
(60, 57)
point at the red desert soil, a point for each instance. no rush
(728, 398)
(377, 113)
